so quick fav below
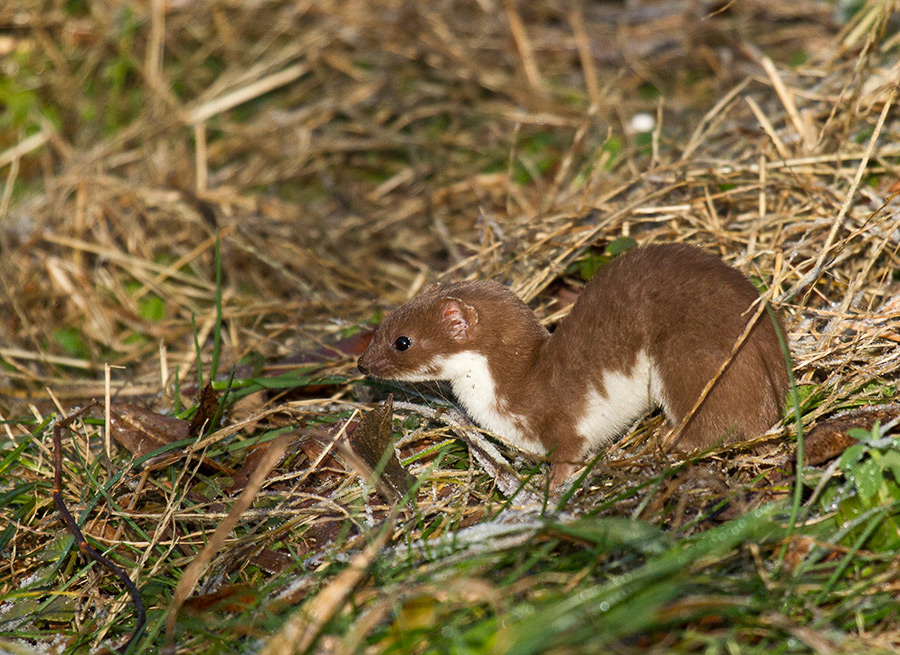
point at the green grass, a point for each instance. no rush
(508, 582)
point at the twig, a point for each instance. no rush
(769, 129)
(523, 46)
(696, 139)
(583, 43)
(75, 531)
(484, 451)
(195, 569)
(207, 110)
(787, 100)
(8, 187)
(851, 194)
(23, 147)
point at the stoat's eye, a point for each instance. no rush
(402, 343)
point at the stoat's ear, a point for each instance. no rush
(458, 318)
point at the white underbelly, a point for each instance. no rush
(625, 398)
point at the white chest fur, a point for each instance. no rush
(473, 386)
(626, 397)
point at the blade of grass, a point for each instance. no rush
(552, 625)
(579, 481)
(217, 329)
(197, 352)
(850, 556)
(798, 420)
(220, 408)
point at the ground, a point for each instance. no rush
(234, 192)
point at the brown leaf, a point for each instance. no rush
(565, 296)
(191, 575)
(142, 431)
(313, 449)
(353, 345)
(256, 455)
(207, 406)
(322, 533)
(100, 530)
(372, 442)
(246, 407)
(830, 438)
(271, 561)
(228, 598)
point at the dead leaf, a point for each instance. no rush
(100, 529)
(306, 622)
(353, 345)
(271, 561)
(322, 533)
(207, 406)
(201, 561)
(373, 442)
(246, 407)
(142, 431)
(313, 449)
(311, 362)
(257, 454)
(830, 438)
(228, 598)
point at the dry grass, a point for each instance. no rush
(348, 153)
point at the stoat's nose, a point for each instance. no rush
(362, 367)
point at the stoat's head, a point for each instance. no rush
(410, 343)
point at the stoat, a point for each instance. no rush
(649, 330)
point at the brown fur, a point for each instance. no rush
(683, 306)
